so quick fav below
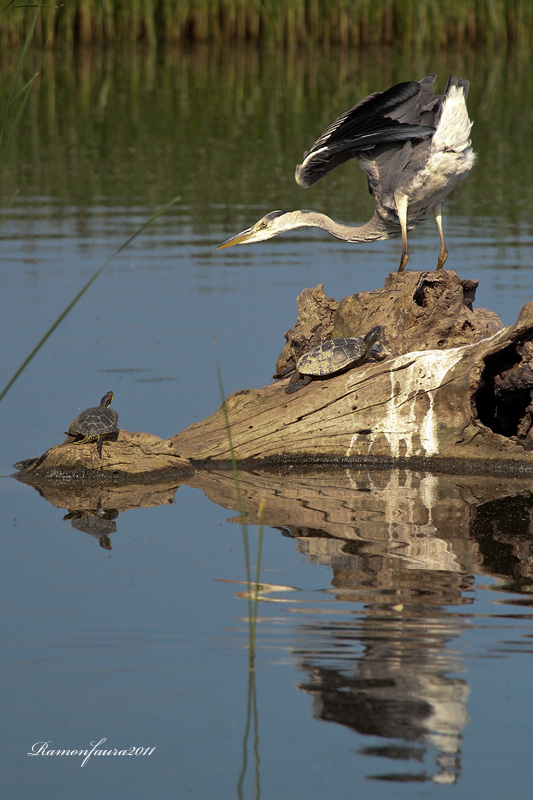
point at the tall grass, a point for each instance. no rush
(352, 22)
(17, 98)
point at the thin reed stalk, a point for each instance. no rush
(253, 585)
(80, 294)
(18, 96)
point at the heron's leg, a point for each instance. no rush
(401, 207)
(443, 255)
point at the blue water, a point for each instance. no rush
(394, 635)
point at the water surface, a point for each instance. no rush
(394, 606)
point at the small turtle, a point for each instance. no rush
(334, 356)
(93, 424)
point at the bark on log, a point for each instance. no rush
(457, 388)
(126, 457)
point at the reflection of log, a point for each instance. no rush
(456, 386)
(369, 505)
(402, 520)
(88, 497)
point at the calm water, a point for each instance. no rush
(394, 606)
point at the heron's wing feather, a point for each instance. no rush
(381, 118)
(320, 162)
(368, 112)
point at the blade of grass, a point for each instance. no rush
(7, 6)
(262, 506)
(20, 63)
(25, 92)
(251, 714)
(80, 294)
(242, 509)
(252, 596)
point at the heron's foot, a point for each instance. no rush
(443, 255)
(403, 262)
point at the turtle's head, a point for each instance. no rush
(268, 226)
(375, 350)
(373, 335)
(106, 400)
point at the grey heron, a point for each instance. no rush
(413, 145)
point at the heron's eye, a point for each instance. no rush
(263, 224)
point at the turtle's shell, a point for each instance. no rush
(332, 356)
(88, 523)
(95, 421)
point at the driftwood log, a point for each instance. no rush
(455, 390)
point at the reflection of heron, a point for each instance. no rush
(414, 147)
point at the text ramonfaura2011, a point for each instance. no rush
(44, 749)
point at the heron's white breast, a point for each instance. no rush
(450, 157)
(453, 130)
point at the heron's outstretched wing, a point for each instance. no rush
(381, 118)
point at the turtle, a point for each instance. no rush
(333, 356)
(93, 424)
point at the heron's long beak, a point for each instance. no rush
(240, 238)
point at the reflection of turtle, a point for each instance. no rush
(98, 522)
(99, 528)
(94, 424)
(334, 356)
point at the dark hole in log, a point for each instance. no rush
(504, 397)
(503, 529)
(429, 290)
(419, 295)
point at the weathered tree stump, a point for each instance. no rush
(456, 388)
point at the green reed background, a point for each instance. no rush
(223, 128)
(356, 22)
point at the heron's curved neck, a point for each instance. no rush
(373, 230)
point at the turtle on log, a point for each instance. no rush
(93, 424)
(334, 356)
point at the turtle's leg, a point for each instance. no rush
(99, 445)
(297, 382)
(284, 373)
(83, 440)
(375, 353)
